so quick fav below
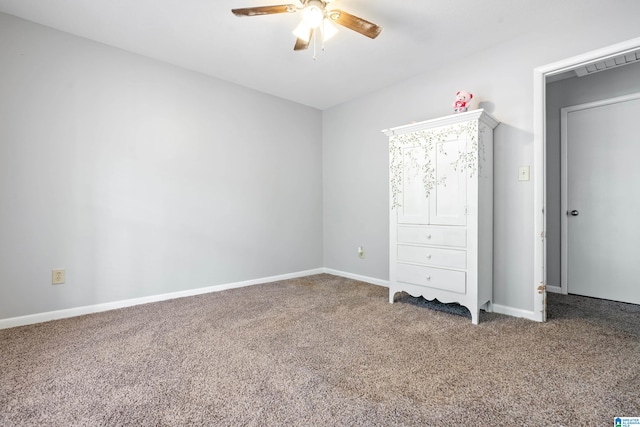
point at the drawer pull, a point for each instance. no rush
(429, 256)
(428, 277)
(428, 236)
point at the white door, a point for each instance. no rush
(601, 199)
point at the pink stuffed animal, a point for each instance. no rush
(462, 101)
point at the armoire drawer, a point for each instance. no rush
(437, 278)
(427, 255)
(439, 236)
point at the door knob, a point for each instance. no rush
(574, 213)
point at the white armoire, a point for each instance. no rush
(441, 210)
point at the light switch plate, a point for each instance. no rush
(524, 173)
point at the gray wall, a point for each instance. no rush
(501, 79)
(141, 178)
(578, 90)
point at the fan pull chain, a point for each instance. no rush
(314, 45)
(322, 41)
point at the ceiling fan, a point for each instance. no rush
(316, 18)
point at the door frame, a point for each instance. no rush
(564, 183)
(540, 75)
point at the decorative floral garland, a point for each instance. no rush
(427, 139)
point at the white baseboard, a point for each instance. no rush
(554, 289)
(496, 308)
(79, 311)
(515, 312)
(366, 279)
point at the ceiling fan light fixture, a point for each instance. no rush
(302, 31)
(328, 30)
(317, 22)
(313, 16)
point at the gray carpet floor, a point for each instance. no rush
(319, 351)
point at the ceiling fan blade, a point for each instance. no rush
(355, 23)
(303, 44)
(264, 10)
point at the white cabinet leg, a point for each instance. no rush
(475, 316)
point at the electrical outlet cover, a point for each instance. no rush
(57, 276)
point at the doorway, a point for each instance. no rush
(589, 61)
(599, 176)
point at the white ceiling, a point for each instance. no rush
(257, 52)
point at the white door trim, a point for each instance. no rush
(540, 75)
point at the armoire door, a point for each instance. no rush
(449, 196)
(413, 200)
(601, 226)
